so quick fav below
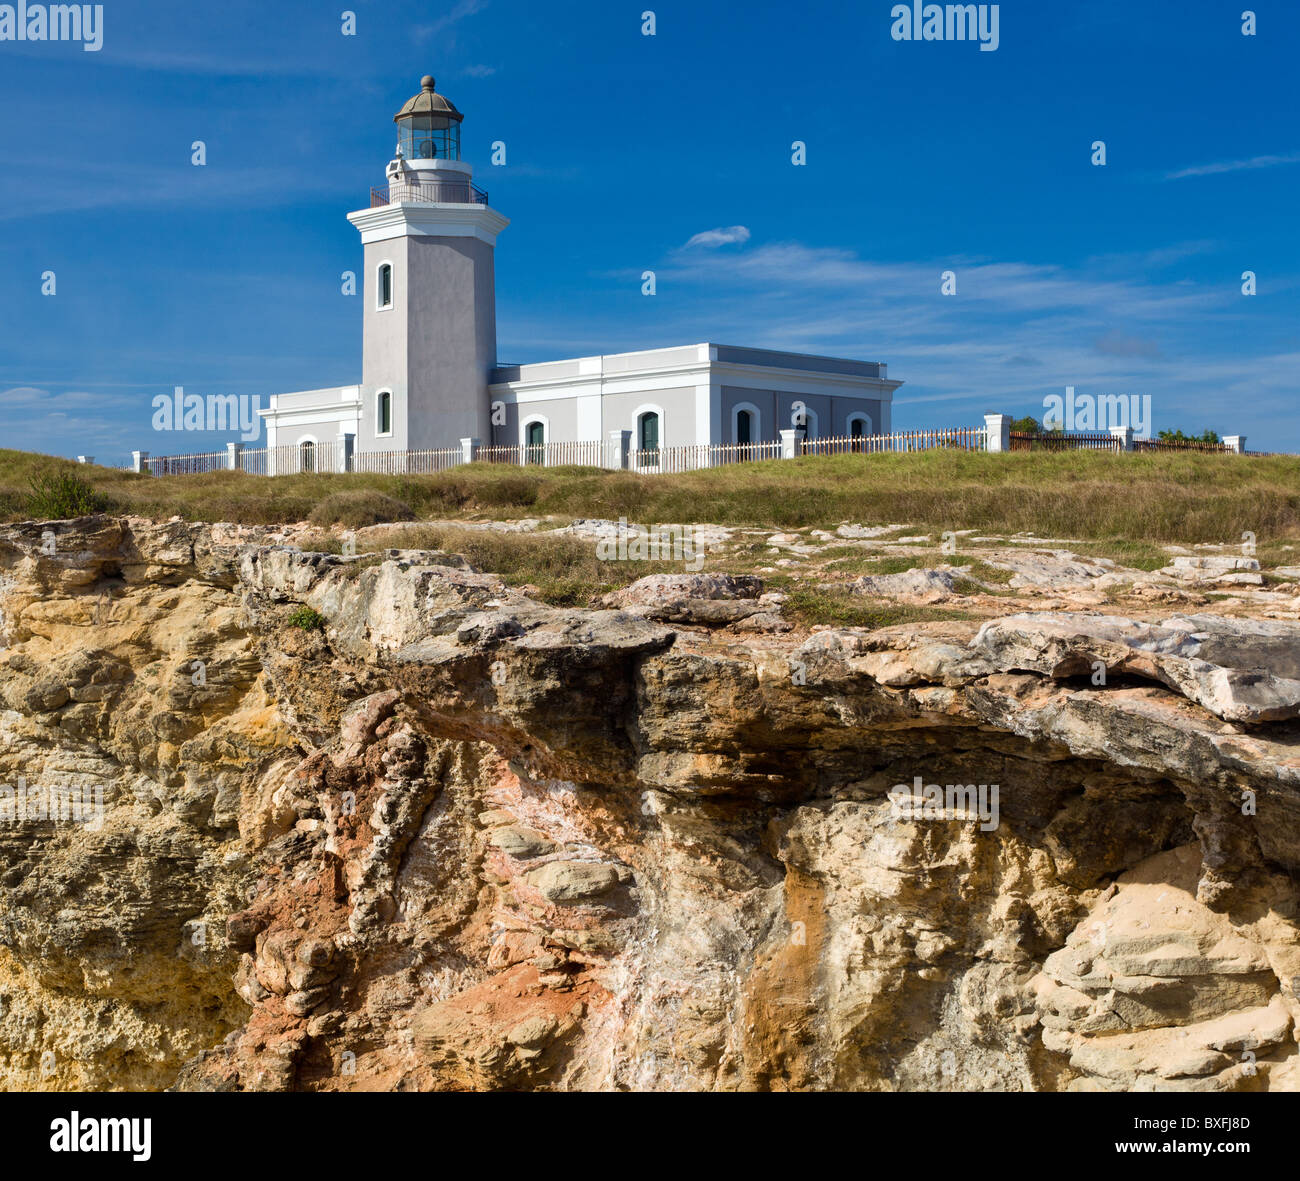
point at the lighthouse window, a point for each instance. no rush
(385, 293)
(384, 413)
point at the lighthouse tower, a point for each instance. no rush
(429, 340)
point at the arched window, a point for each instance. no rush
(859, 429)
(384, 412)
(535, 442)
(307, 455)
(384, 285)
(805, 422)
(746, 428)
(647, 439)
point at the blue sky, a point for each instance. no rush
(621, 148)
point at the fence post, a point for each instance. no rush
(347, 447)
(1125, 436)
(85, 459)
(620, 442)
(467, 449)
(1235, 443)
(790, 444)
(233, 452)
(139, 461)
(997, 432)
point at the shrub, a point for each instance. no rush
(1206, 436)
(509, 490)
(306, 618)
(358, 508)
(58, 495)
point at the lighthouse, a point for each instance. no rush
(429, 320)
(432, 391)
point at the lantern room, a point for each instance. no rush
(428, 126)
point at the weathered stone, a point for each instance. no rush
(520, 842)
(573, 881)
(737, 903)
(941, 581)
(1073, 645)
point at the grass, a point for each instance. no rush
(981, 570)
(862, 562)
(1153, 498)
(839, 607)
(564, 569)
(1123, 507)
(356, 508)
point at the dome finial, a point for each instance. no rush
(426, 83)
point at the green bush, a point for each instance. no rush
(306, 618)
(58, 495)
(1206, 436)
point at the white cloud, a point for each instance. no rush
(1234, 166)
(722, 236)
(1015, 332)
(458, 13)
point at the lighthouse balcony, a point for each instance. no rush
(428, 192)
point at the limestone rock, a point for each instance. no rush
(456, 838)
(1072, 645)
(939, 581)
(573, 881)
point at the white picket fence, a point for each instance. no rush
(336, 456)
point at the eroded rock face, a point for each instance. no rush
(459, 839)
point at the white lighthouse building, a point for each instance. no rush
(429, 373)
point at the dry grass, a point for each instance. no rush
(1146, 498)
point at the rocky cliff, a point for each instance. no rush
(453, 838)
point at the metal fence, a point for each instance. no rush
(952, 438)
(1104, 441)
(186, 465)
(1060, 441)
(265, 461)
(429, 192)
(1181, 445)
